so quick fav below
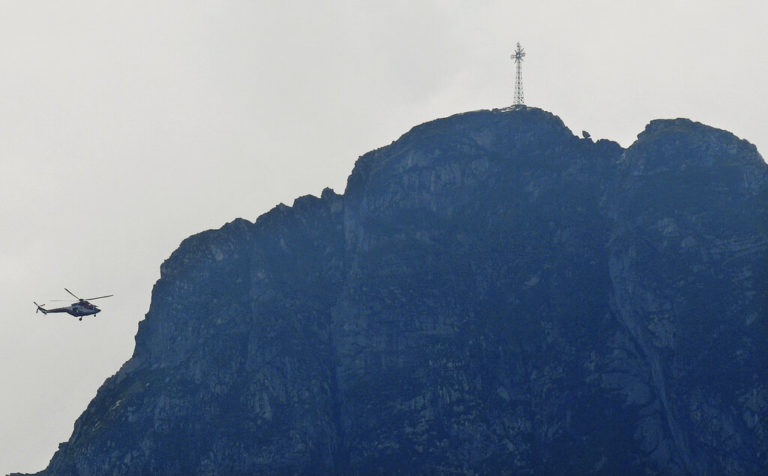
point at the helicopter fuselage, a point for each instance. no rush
(80, 309)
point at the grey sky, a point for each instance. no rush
(126, 126)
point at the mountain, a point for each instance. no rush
(491, 294)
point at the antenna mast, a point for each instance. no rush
(518, 58)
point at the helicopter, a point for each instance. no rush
(78, 309)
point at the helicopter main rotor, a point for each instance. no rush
(87, 299)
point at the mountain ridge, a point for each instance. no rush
(491, 294)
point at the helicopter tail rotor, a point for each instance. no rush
(40, 308)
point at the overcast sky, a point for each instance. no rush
(126, 126)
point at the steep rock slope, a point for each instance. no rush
(491, 295)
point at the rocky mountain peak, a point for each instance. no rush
(658, 146)
(491, 294)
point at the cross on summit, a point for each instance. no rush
(518, 56)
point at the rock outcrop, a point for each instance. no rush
(491, 294)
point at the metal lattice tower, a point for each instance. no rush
(518, 58)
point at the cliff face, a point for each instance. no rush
(491, 294)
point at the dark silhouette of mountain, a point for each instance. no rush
(491, 295)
